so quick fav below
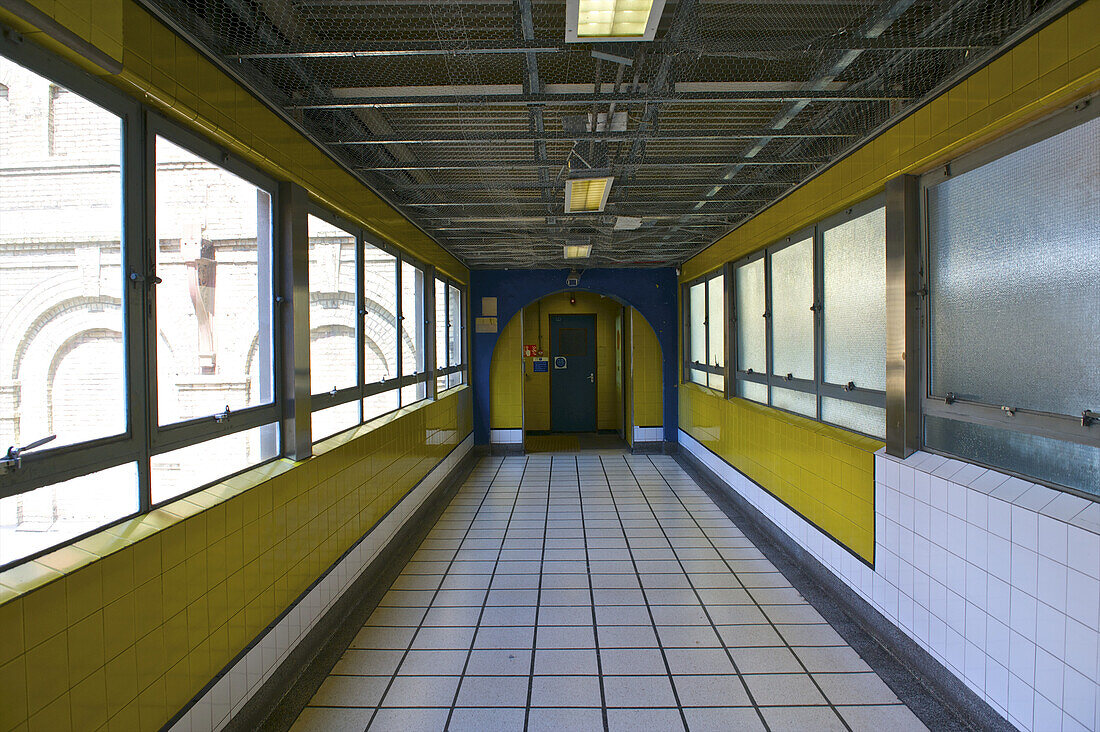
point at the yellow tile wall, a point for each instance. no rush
(506, 390)
(628, 379)
(647, 371)
(823, 472)
(826, 473)
(536, 387)
(119, 631)
(165, 72)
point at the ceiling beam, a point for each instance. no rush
(521, 165)
(513, 136)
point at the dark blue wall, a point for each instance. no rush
(652, 292)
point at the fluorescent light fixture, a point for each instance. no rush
(587, 194)
(577, 251)
(612, 20)
(627, 223)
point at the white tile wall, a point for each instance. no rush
(649, 434)
(997, 578)
(229, 695)
(506, 437)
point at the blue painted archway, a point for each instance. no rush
(652, 292)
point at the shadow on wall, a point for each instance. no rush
(497, 394)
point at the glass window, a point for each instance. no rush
(327, 422)
(213, 304)
(1013, 292)
(454, 324)
(854, 316)
(62, 355)
(378, 404)
(792, 291)
(380, 314)
(697, 320)
(39, 519)
(181, 471)
(440, 324)
(706, 332)
(332, 308)
(751, 344)
(412, 320)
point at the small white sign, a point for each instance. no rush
(485, 325)
(489, 307)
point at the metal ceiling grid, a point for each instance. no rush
(469, 115)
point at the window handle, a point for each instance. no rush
(788, 377)
(13, 460)
(850, 386)
(151, 279)
(223, 417)
(1089, 418)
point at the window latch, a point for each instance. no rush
(788, 377)
(1089, 418)
(332, 391)
(1009, 411)
(950, 398)
(13, 460)
(222, 417)
(817, 307)
(850, 386)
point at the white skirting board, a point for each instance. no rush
(506, 437)
(995, 577)
(233, 690)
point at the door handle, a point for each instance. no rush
(592, 378)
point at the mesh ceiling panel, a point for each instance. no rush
(470, 115)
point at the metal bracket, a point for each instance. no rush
(788, 377)
(1009, 411)
(817, 307)
(151, 279)
(223, 417)
(950, 398)
(850, 386)
(1089, 418)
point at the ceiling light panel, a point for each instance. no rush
(587, 194)
(612, 20)
(577, 251)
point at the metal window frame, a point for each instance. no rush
(461, 366)
(48, 466)
(177, 435)
(426, 350)
(708, 368)
(817, 386)
(1069, 428)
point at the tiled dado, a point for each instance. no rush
(122, 629)
(997, 578)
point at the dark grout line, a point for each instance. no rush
(488, 589)
(645, 598)
(538, 600)
(592, 597)
(435, 594)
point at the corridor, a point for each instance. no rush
(595, 591)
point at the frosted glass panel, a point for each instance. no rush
(792, 287)
(859, 417)
(716, 381)
(750, 317)
(698, 376)
(716, 322)
(697, 313)
(1064, 463)
(1014, 287)
(328, 422)
(752, 390)
(795, 401)
(854, 275)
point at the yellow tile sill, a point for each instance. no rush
(23, 578)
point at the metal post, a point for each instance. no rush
(903, 311)
(293, 259)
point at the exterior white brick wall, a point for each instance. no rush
(997, 578)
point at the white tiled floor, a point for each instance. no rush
(589, 592)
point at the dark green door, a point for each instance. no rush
(573, 373)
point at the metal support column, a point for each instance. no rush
(293, 259)
(903, 313)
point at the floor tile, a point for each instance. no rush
(699, 661)
(409, 720)
(783, 689)
(564, 719)
(350, 691)
(368, 663)
(565, 662)
(443, 638)
(894, 717)
(626, 636)
(421, 691)
(332, 720)
(865, 688)
(632, 720)
(638, 691)
(505, 637)
(564, 636)
(765, 661)
(799, 719)
(719, 719)
(841, 659)
(433, 663)
(632, 661)
(487, 718)
(710, 690)
(562, 691)
(493, 691)
(382, 637)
